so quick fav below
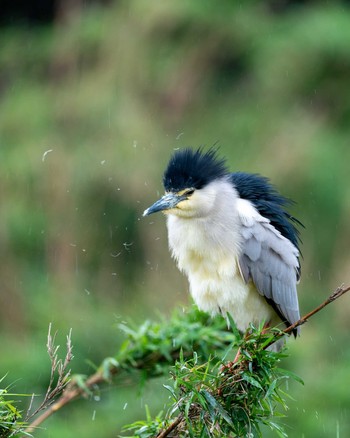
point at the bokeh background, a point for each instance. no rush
(94, 97)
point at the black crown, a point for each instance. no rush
(195, 169)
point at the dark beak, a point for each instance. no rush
(165, 203)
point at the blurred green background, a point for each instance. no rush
(92, 103)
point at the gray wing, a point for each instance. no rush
(271, 262)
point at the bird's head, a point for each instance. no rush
(190, 183)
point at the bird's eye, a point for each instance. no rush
(189, 192)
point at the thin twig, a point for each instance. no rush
(62, 380)
(170, 428)
(72, 392)
(341, 290)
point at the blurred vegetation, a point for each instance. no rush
(9, 415)
(91, 106)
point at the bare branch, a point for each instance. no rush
(341, 290)
(71, 392)
(171, 427)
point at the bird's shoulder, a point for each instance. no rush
(268, 202)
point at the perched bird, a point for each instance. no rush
(232, 237)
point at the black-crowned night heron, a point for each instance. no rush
(231, 235)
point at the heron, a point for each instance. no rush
(233, 237)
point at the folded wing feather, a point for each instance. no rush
(270, 261)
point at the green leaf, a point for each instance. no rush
(216, 405)
(251, 380)
(287, 373)
(171, 390)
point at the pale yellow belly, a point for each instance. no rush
(217, 287)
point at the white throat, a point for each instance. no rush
(203, 230)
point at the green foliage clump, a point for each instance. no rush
(211, 396)
(154, 346)
(10, 416)
(216, 397)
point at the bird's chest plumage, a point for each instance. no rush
(200, 252)
(210, 261)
